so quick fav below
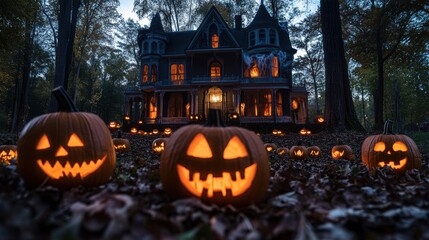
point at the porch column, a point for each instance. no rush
(161, 104)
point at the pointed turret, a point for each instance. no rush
(156, 24)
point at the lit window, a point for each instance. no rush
(267, 104)
(252, 39)
(145, 73)
(152, 108)
(153, 73)
(215, 41)
(275, 66)
(177, 72)
(215, 70)
(254, 70)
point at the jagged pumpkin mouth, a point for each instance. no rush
(59, 170)
(122, 146)
(394, 164)
(224, 184)
(337, 153)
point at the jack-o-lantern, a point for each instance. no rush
(155, 131)
(158, 145)
(112, 125)
(218, 164)
(341, 151)
(282, 151)
(298, 152)
(7, 153)
(133, 130)
(275, 131)
(304, 131)
(168, 131)
(66, 149)
(320, 119)
(397, 151)
(314, 151)
(121, 144)
(270, 147)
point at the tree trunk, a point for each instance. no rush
(379, 92)
(339, 109)
(67, 21)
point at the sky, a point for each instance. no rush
(126, 9)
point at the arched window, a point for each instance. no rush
(145, 47)
(273, 37)
(145, 73)
(262, 39)
(252, 39)
(215, 41)
(275, 66)
(153, 73)
(254, 70)
(215, 70)
(154, 47)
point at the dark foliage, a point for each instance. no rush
(316, 198)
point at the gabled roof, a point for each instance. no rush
(212, 16)
(262, 19)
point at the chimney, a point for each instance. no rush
(238, 21)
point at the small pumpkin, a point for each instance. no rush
(158, 145)
(397, 151)
(298, 152)
(314, 151)
(168, 131)
(121, 144)
(270, 147)
(133, 130)
(7, 153)
(341, 151)
(320, 119)
(282, 151)
(66, 149)
(304, 131)
(218, 164)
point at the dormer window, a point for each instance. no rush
(215, 41)
(262, 39)
(273, 37)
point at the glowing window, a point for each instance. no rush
(152, 108)
(215, 41)
(145, 73)
(275, 66)
(254, 70)
(215, 70)
(267, 104)
(177, 72)
(153, 73)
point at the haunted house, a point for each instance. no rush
(241, 70)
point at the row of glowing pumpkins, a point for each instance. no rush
(222, 165)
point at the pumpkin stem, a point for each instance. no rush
(215, 118)
(387, 127)
(65, 103)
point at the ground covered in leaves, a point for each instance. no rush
(310, 199)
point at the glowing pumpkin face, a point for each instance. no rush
(298, 152)
(282, 151)
(121, 144)
(270, 147)
(342, 152)
(66, 149)
(396, 151)
(304, 131)
(217, 164)
(7, 153)
(314, 151)
(158, 145)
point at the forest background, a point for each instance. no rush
(386, 47)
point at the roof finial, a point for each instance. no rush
(262, 2)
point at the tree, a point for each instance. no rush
(339, 109)
(67, 21)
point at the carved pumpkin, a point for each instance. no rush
(7, 153)
(155, 131)
(168, 131)
(314, 151)
(397, 151)
(66, 149)
(218, 164)
(270, 147)
(341, 151)
(158, 145)
(282, 151)
(298, 152)
(304, 131)
(121, 144)
(133, 130)
(320, 119)
(112, 125)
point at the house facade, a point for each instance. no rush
(245, 71)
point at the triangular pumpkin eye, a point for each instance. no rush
(43, 143)
(75, 141)
(199, 147)
(234, 149)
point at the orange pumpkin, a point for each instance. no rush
(7, 153)
(282, 151)
(158, 145)
(397, 151)
(218, 164)
(341, 151)
(270, 147)
(121, 144)
(314, 151)
(66, 149)
(298, 152)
